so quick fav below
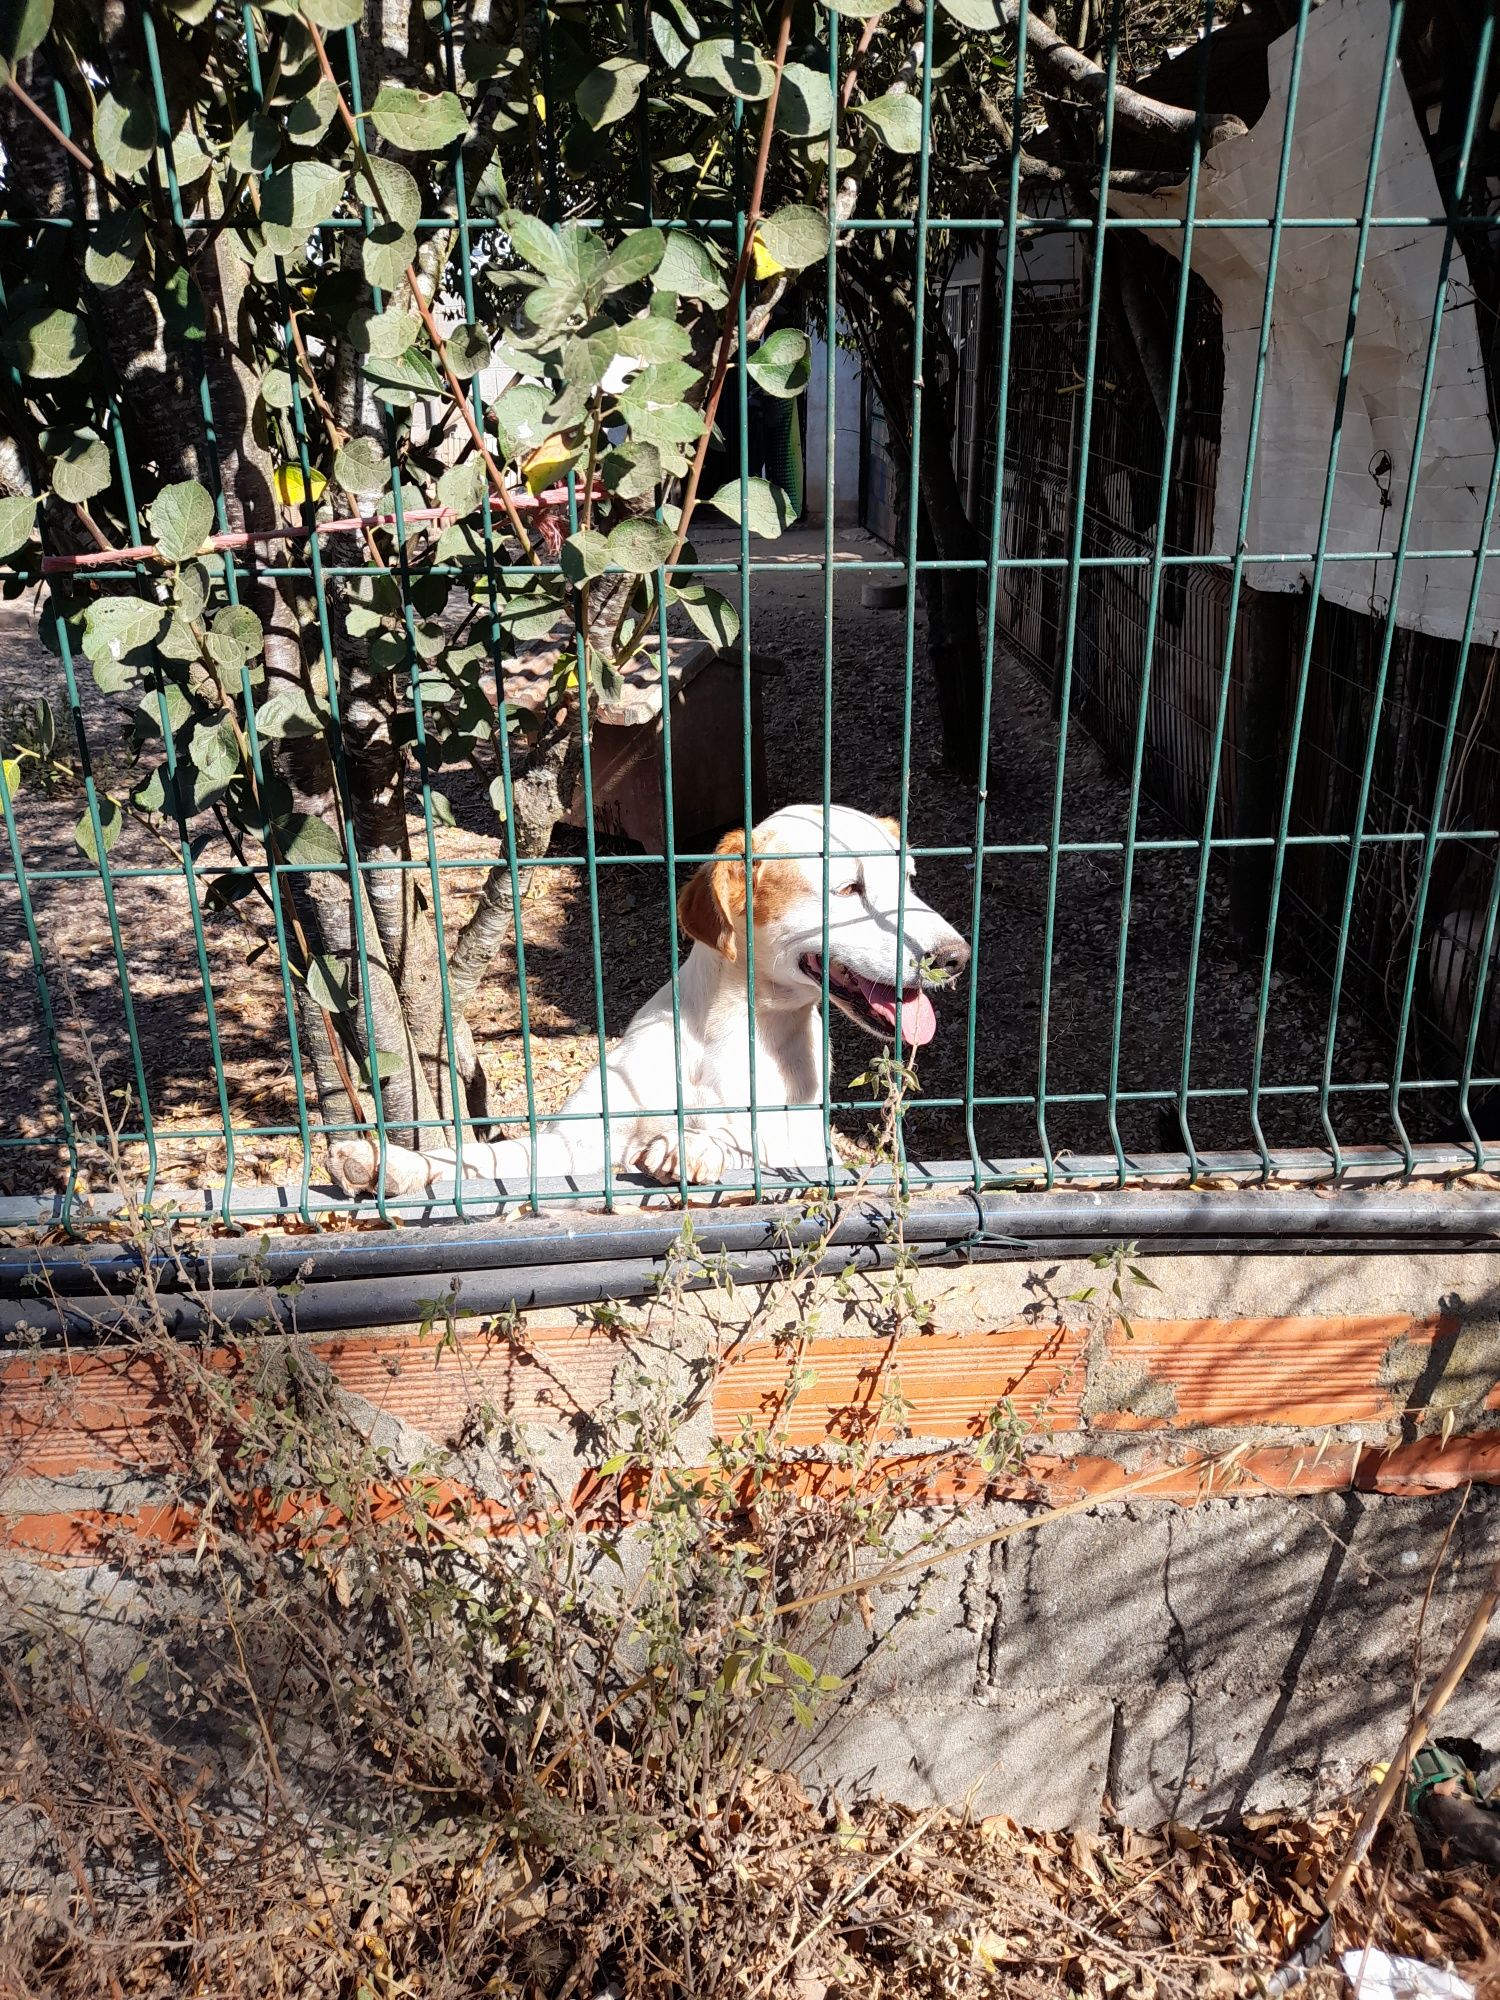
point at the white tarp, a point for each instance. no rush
(1343, 54)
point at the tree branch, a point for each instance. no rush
(1169, 129)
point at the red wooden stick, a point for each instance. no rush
(555, 496)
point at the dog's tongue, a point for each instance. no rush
(918, 1021)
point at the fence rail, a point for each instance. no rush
(1228, 860)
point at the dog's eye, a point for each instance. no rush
(851, 889)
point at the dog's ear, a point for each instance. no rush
(713, 902)
(892, 826)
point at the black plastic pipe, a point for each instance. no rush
(372, 1281)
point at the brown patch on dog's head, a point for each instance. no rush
(892, 826)
(711, 908)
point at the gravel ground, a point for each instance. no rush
(166, 990)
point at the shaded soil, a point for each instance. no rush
(157, 957)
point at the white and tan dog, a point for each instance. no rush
(869, 958)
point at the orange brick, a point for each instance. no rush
(114, 1411)
(1308, 1372)
(949, 1381)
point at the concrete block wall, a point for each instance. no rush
(1265, 1461)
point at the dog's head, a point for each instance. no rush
(881, 938)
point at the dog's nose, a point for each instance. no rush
(949, 960)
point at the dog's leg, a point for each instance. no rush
(707, 1153)
(355, 1165)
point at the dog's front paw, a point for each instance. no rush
(705, 1156)
(355, 1167)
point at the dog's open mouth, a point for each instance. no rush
(873, 1005)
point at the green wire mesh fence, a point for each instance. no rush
(361, 407)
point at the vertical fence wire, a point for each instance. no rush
(1388, 633)
(1153, 605)
(1070, 626)
(1236, 581)
(1325, 517)
(919, 313)
(1012, 251)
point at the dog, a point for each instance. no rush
(869, 959)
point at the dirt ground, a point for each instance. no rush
(166, 991)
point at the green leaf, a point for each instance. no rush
(385, 254)
(307, 842)
(361, 466)
(736, 68)
(240, 625)
(610, 92)
(183, 317)
(230, 887)
(125, 131)
(276, 389)
(862, 10)
(402, 379)
(383, 334)
(295, 199)
(649, 337)
(116, 626)
(605, 678)
(633, 472)
(191, 159)
(711, 612)
(46, 345)
(399, 196)
(80, 463)
(388, 1062)
(150, 795)
(782, 365)
(639, 546)
(23, 28)
(796, 236)
(634, 260)
(416, 122)
(214, 752)
(177, 642)
(584, 555)
(536, 244)
(804, 108)
(111, 819)
(897, 117)
(768, 509)
(190, 590)
(334, 13)
(16, 517)
(115, 243)
(520, 415)
(255, 145)
(468, 350)
(463, 487)
(307, 119)
(983, 16)
(688, 269)
(182, 519)
(664, 33)
(327, 983)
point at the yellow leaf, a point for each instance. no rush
(12, 766)
(290, 489)
(547, 464)
(762, 263)
(539, 105)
